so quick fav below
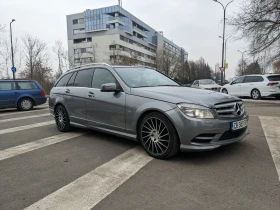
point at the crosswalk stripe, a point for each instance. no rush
(18, 112)
(88, 190)
(18, 150)
(20, 128)
(23, 118)
(272, 133)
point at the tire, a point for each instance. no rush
(25, 104)
(152, 127)
(225, 91)
(255, 94)
(62, 119)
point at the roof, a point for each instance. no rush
(18, 80)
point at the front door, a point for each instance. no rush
(8, 94)
(105, 109)
(235, 87)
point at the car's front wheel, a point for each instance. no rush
(158, 136)
(62, 119)
(225, 91)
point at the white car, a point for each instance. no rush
(206, 84)
(254, 86)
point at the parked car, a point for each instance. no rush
(206, 84)
(144, 105)
(224, 82)
(21, 94)
(254, 86)
(186, 85)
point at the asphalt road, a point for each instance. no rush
(41, 168)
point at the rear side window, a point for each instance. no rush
(249, 79)
(274, 78)
(26, 85)
(72, 79)
(64, 80)
(259, 79)
(102, 76)
(7, 86)
(83, 78)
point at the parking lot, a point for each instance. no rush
(42, 168)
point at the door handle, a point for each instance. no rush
(90, 94)
(67, 91)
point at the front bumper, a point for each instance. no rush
(217, 131)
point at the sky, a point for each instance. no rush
(192, 24)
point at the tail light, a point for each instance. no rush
(43, 93)
(272, 83)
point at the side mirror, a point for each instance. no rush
(109, 87)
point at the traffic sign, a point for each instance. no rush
(14, 69)
(222, 68)
(226, 65)
(214, 76)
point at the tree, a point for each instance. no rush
(200, 70)
(61, 54)
(259, 23)
(252, 68)
(35, 52)
(276, 67)
(242, 65)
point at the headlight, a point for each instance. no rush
(196, 111)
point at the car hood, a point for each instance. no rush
(177, 95)
(211, 86)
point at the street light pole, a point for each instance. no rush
(242, 66)
(224, 29)
(12, 50)
(225, 52)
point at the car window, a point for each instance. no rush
(102, 76)
(249, 79)
(26, 85)
(72, 79)
(64, 80)
(83, 78)
(195, 83)
(7, 86)
(274, 78)
(259, 79)
(237, 81)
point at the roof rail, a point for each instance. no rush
(89, 64)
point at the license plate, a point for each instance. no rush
(239, 125)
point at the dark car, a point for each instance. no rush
(21, 94)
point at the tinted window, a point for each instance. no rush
(83, 78)
(71, 81)
(26, 85)
(259, 79)
(64, 80)
(274, 78)
(237, 81)
(7, 86)
(102, 76)
(249, 79)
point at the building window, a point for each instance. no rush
(89, 49)
(79, 31)
(75, 21)
(78, 21)
(83, 40)
(112, 47)
(77, 60)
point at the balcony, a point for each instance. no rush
(115, 20)
(139, 31)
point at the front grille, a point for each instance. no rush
(231, 135)
(229, 109)
(214, 89)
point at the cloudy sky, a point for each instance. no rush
(192, 24)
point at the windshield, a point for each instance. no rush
(206, 82)
(143, 77)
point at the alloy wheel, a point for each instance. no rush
(155, 136)
(60, 118)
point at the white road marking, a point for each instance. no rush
(272, 133)
(23, 118)
(20, 128)
(88, 190)
(19, 112)
(18, 150)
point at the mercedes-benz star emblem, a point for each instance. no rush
(238, 109)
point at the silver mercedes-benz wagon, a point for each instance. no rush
(142, 104)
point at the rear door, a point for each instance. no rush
(105, 109)
(247, 85)
(29, 88)
(8, 94)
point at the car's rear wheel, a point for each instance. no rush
(62, 119)
(225, 91)
(25, 104)
(158, 136)
(255, 94)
